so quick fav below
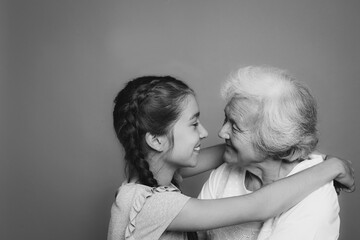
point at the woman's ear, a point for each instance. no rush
(158, 143)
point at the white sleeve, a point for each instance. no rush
(315, 218)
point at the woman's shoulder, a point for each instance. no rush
(225, 170)
(312, 160)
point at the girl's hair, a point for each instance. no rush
(286, 121)
(149, 104)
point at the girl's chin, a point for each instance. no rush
(193, 161)
(191, 164)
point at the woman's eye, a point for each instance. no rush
(225, 120)
(195, 124)
(235, 128)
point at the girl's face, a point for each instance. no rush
(187, 134)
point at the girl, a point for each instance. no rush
(156, 119)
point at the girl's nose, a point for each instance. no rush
(203, 132)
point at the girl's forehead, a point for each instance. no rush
(190, 107)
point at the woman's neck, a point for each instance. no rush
(267, 172)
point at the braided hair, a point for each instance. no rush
(146, 104)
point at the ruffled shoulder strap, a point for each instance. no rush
(142, 195)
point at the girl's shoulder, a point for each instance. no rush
(132, 186)
(127, 192)
(135, 192)
(144, 204)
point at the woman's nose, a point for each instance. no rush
(224, 133)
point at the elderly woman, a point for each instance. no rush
(270, 133)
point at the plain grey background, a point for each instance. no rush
(62, 62)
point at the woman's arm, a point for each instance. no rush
(209, 158)
(265, 203)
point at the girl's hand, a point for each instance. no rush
(346, 178)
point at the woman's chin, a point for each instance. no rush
(229, 158)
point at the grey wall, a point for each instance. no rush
(67, 59)
(3, 121)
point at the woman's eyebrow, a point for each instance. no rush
(228, 115)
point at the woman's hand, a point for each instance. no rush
(346, 178)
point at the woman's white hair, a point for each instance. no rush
(286, 120)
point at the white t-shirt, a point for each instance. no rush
(316, 217)
(228, 181)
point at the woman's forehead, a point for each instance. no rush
(241, 109)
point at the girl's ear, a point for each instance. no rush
(157, 143)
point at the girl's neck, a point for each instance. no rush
(164, 178)
(162, 172)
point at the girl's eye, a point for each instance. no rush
(195, 124)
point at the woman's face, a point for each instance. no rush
(237, 130)
(187, 134)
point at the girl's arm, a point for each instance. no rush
(338, 186)
(265, 203)
(209, 158)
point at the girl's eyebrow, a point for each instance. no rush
(196, 115)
